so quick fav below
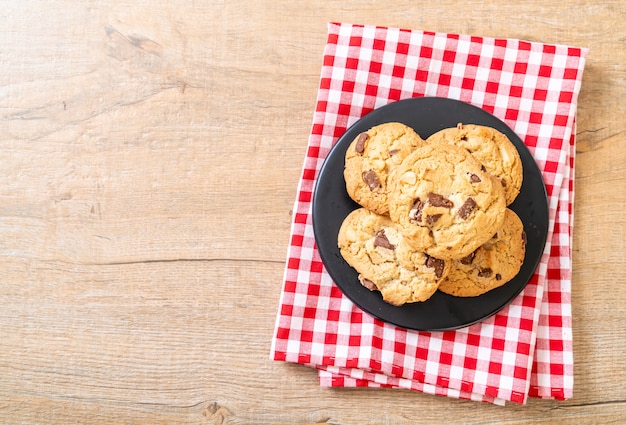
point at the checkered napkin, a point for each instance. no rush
(526, 348)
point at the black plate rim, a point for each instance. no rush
(354, 291)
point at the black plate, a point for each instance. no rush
(331, 204)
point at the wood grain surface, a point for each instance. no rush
(149, 157)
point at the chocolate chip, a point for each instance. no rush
(437, 200)
(524, 237)
(360, 143)
(430, 219)
(467, 260)
(486, 272)
(382, 241)
(482, 167)
(467, 208)
(416, 210)
(474, 178)
(371, 179)
(436, 264)
(503, 182)
(394, 152)
(498, 276)
(367, 283)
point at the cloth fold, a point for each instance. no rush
(526, 348)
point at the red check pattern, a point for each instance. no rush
(526, 348)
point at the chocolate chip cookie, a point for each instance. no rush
(492, 149)
(371, 157)
(374, 247)
(445, 205)
(492, 265)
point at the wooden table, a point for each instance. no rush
(149, 157)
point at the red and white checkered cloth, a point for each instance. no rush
(526, 348)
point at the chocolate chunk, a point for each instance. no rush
(367, 283)
(371, 179)
(437, 200)
(430, 219)
(498, 276)
(382, 241)
(467, 260)
(467, 208)
(474, 178)
(394, 152)
(416, 210)
(486, 272)
(360, 143)
(524, 237)
(482, 167)
(503, 182)
(436, 264)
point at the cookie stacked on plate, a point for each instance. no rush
(434, 212)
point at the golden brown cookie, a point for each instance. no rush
(492, 265)
(492, 149)
(371, 157)
(445, 205)
(372, 245)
